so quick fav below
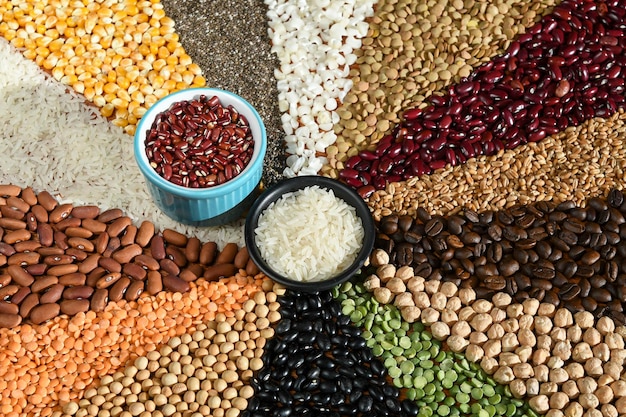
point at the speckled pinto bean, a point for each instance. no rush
(199, 143)
(564, 70)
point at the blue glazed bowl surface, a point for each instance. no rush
(210, 206)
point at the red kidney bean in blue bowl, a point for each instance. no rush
(201, 153)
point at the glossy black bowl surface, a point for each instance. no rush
(340, 190)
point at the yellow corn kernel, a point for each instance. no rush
(130, 129)
(123, 95)
(42, 51)
(185, 59)
(99, 101)
(199, 81)
(52, 33)
(159, 64)
(123, 51)
(125, 62)
(169, 85)
(171, 37)
(55, 45)
(146, 89)
(85, 77)
(76, 60)
(50, 62)
(150, 100)
(121, 112)
(79, 87)
(110, 88)
(188, 77)
(144, 65)
(57, 73)
(139, 112)
(166, 72)
(163, 52)
(18, 42)
(134, 86)
(107, 110)
(9, 35)
(123, 82)
(69, 79)
(161, 92)
(176, 76)
(120, 122)
(172, 60)
(43, 41)
(29, 54)
(137, 97)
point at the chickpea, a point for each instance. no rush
(614, 341)
(518, 388)
(558, 375)
(526, 337)
(589, 401)
(474, 353)
(410, 313)
(509, 342)
(496, 331)
(438, 301)
(546, 310)
(559, 400)
(609, 410)
(524, 353)
(421, 299)
(386, 272)
(542, 373)
(478, 338)
(403, 300)
(371, 283)
(531, 306)
(396, 285)
(587, 385)
(415, 284)
(540, 356)
(526, 321)
(405, 273)
(383, 295)
(461, 328)
(489, 365)
(510, 325)
(592, 336)
(612, 369)
(504, 375)
(448, 289)
(563, 318)
(605, 325)
(449, 316)
(532, 386)
(540, 403)
(558, 334)
(467, 295)
(563, 350)
(570, 389)
(379, 257)
(432, 286)
(457, 343)
(481, 322)
(543, 325)
(574, 333)
(582, 352)
(492, 348)
(454, 304)
(440, 330)
(501, 299)
(482, 306)
(497, 315)
(604, 394)
(466, 313)
(574, 409)
(574, 370)
(429, 316)
(523, 371)
(584, 319)
(515, 311)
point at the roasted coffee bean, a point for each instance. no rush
(615, 198)
(433, 227)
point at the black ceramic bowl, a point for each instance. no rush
(294, 184)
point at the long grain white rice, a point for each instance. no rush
(51, 140)
(309, 235)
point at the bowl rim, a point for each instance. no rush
(260, 145)
(273, 193)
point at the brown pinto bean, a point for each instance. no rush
(27, 305)
(8, 307)
(81, 243)
(86, 212)
(99, 299)
(9, 190)
(217, 271)
(94, 226)
(3, 260)
(60, 212)
(15, 236)
(101, 243)
(12, 224)
(169, 266)
(45, 233)
(251, 268)
(175, 284)
(118, 226)
(5, 279)
(154, 282)
(129, 236)
(74, 279)
(177, 255)
(144, 234)
(207, 253)
(134, 271)
(18, 204)
(50, 251)
(60, 239)
(175, 238)
(192, 249)
(127, 253)
(78, 232)
(95, 275)
(53, 294)
(117, 291)
(24, 258)
(76, 293)
(29, 196)
(8, 291)
(73, 307)
(134, 290)
(108, 279)
(43, 283)
(110, 264)
(241, 259)
(90, 263)
(66, 223)
(10, 320)
(19, 296)
(20, 276)
(12, 213)
(41, 214)
(44, 312)
(31, 222)
(228, 253)
(110, 215)
(46, 200)
(58, 260)
(147, 262)
(157, 247)
(76, 254)
(27, 245)
(59, 270)
(6, 249)
(36, 269)
(114, 244)
(188, 275)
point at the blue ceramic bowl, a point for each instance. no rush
(210, 206)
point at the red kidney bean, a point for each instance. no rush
(44, 312)
(99, 300)
(53, 294)
(199, 143)
(174, 283)
(564, 70)
(154, 282)
(118, 290)
(10, 320)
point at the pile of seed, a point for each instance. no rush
(572, 165)
(318, 364)
(49, 365)
(121, 55)
(414, 49)
(563, 362)
(561, 254)
(314, 43)
(59, 258)
(440, 381)
(202, 373)
(559, 74)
